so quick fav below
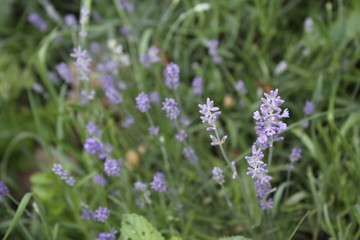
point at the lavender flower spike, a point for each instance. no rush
(102, 214)
(309, 107)
(64, 72)
(37, 21)
(218, 175)
(82, 63)
(159, 184)
(172, 77)
(171, 108)
(64, 174)
(3, 190)
(112, 168)
(143, 102)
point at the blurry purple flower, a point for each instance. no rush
(154, 130)
(128, 121)
(197, 86)
(53, 77)
(99, 179)
(171, 108)
(125, 30)
(87, 214)
(86, 96)
(213, 50)
(37, 21)
(181, 136)
(159, 184)
(113, 95)
(64, 72)
(217, 175)
(190, 154)
(71, 21)
(126, 5)
(240, 86)
(64, 174)
(112, 167)
(266, 204)
(105, 151)
(95, 47)
(3, 190)
(142, 187)
(93, 130)
(295, 154)
(281, 67)
(308, 25)
(143, 102)
(150, 57)
(102, 214)
(217, 59)
(84, 15)
(106, 236)
(172, 76)
(82, 63)
(309, 107)
(154, 97)
(93, 146)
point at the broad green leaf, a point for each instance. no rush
(137, 227)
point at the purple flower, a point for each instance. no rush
(93, 130)
(84, 18)
(37, 21)
(99, 179)
(87, 214)
(125, 30)
(53, 77)
(154, 97)
(71, 21)
(171, 108)
(269, 124)
(281, 67)
(82, 63)
(143, 102)
(213, 50)
(154, 130)
(142, 187)
(150, 57)
(126, 5)
(95, 47)
(217, 175)
(266, 204)
(308, 25)
(114, 96)
(112, 167)
(197, 86)
(159, 184)
(190, 154)
(105, 151)
(295, 154)
(86, 96)
(128, 121)
(181, 136)
(3, 190)
(240, 86)
(106, 236)
(172, 76)
(64, 174)
(64, 72)
(93, 146)
(309, 107)
(102, 214)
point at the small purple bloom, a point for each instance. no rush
(87, 214)
(64, 72)
(64, 174)
(112, 167)
(106, 236)
(309, 107)
(82, 63)
(125, 30)
(154, 97)
(172, 76)
(159, 184)
(86, 96)
(240, 86)
(217, 175)
(126, 5)
(150, 57)
(154, 130)
(37, 21)
(308, 25)
(71, 21)
(295, 154)
(213, 51)
(128, 121)
(114, 96)
(105, 151)
(190, 154)
(102, 214)
(197, 86)
(143, 102)
(93, 130)
(266, 204)
(171, 108)
(93, 146)
(181, 136)
(3, 190)
(99, 179)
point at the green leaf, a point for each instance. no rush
(137, 227)
(235, 238)
(175, 238)
(24, 202)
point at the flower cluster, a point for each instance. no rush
(269, 124)
(111, 92)
(143, 102)
(190, 154)
(154, 130)
(211, 113)
(126, 5)
(84, 18)
(112, 167)
(240, 87)
(213, 51)
(82, 63)
(71, 21)
(101, 214)
(93, 130)
(150, 57)
(217, 175)
(128, 121)
(106, 236)
(3, 190)
(158, 183)
(294, 157)
(37, 21)
(171, 108)
(99, 179)
(64, 174)
(197, 86)
(93, 146)
(172, 76)
(181, 136)
(64, 72)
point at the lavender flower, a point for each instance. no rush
(171, 108)
(125, 30)
(99, 179)
(240, 86)
(294, 157)
(86, 96)
(53, 77)
(159, 184)
(233, 169)
(82, 63)
(154, 130)
(112, 167)
(142, 187)
(87, 214)
(102, 214)
(126, 5)
(3, 190)
(143, 102)
(37, 21)
(190, 154)
(281, 67)
(113, 95)
(217, 175)
(154, 97)
(71, 21)
(150, 57)
(211, 113)
(309, 107)
(128, 121)
(84, 18)
(105, 151)
(172, 77)
(64, 174)
(181, 136)
(213, 51)
(106, 236)
(308, 25)
(93, 146)
(64, 72)
(93, 130)
(197, 86)
(269, 124)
